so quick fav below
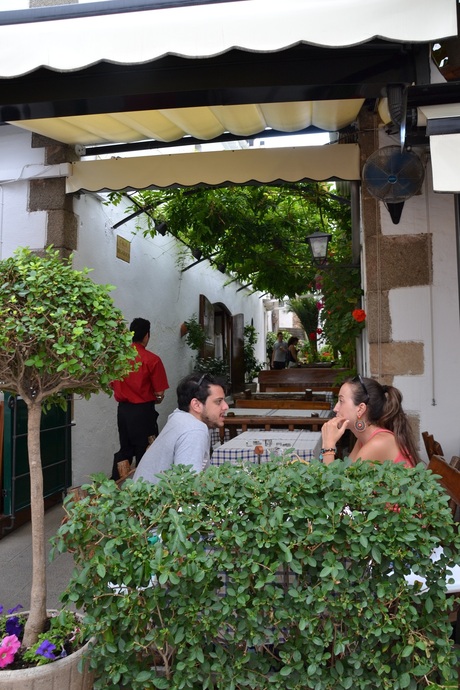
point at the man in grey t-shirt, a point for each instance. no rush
(279, 354)
(185, 440)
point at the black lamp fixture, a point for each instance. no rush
(161, 228)
(318, 242)
(197, 254)
(221, 268)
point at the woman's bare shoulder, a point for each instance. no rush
(382, 446)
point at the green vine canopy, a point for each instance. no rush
(258, 234)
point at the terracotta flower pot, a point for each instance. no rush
(62, 673)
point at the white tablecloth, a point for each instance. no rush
(296, 444)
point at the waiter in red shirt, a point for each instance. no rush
(137, 394)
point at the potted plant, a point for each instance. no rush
(279, 576)
(216, 366)
(306, 309)
(60, 333)
(195, 335)
(252, 366)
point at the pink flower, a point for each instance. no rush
(319, 305)
(8, 648)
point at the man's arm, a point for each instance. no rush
(158, 379)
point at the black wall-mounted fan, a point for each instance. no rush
(393, 176)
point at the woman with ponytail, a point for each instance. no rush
(374, 414)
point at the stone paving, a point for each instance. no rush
(16, 565)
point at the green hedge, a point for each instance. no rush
(283, 576)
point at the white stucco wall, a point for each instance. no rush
(430, 315)
(18, 227)
(152, 286)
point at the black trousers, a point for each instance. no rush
(136, 422)
(279, 365)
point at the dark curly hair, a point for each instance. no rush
(194, 385)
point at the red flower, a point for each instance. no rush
(312, 336)
(319, 331)
(319, 305)
(359, 315)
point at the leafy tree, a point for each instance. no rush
(257, 232)
(59, 334)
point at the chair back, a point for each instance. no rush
(449, 478)
(432, 447)
(125, 472)
(455, 462)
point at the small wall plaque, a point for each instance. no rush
(123, 249)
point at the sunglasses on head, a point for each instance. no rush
(201, 379)
(358, 379)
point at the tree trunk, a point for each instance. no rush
(37, 615)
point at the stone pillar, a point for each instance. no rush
(391, 261)
(49, 195)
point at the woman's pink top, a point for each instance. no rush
(400, 457)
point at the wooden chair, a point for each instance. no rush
(455, 462)
(449, 478)
(125, 471)
(283, 404)
(432, 447)
(124, 466)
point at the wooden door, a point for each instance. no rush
(206, 319)
(237, 362)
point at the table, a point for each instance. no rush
(259, 418)
(268, 419)
(296, 444)
(326, 395)
(276, 412)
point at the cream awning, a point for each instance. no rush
(215, 168)
(203, 122)
(207, 30)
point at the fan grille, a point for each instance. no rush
(393, 175)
